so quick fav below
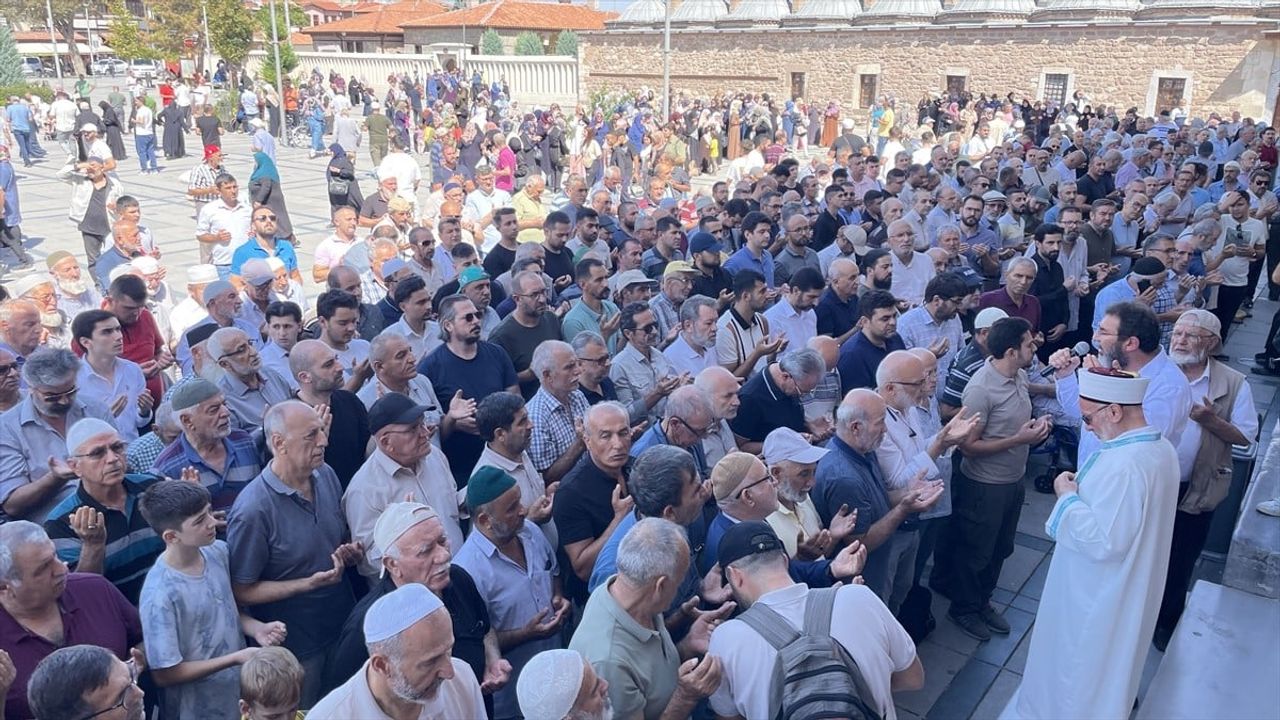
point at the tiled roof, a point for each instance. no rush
(385, 21)
(517, 15)
(343, 7)
(43, 36)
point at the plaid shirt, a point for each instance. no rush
(242, 465)
(143, 452)
(664, 312)
(919, 329)
(553, 426)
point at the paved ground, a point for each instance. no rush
(964, 678)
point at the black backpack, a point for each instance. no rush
(814, 676)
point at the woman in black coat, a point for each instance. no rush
(340, 177)
(111, 130)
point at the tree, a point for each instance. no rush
(288, 60)
(567, 43)
(528, 43)
(10, 61)
(231, 29)
(64, 12)
(124, 36)
(491, 43)
(171, 23)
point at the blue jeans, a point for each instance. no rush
(146, 147)
(24, 145)
(317, 137)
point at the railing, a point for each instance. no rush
(534, 81)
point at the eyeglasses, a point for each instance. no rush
(753, 483)
(646, 329)
(917, 383)
(6, 369)
(238, 351)
(1198, 336)
(272, 218)
(468, 317)
(98, 453)
(124, 694)
(54, 397)
(602, 360)
(1088, 417)
(415, 428)
(699, 433)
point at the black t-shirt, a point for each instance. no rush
(466, 609)
(490, 371)
(558, 264)
(582, 511)
(712, 286)
(765, 408)
(374, 206)
(607, 392)
(208, 126)
(348, 435)
(95, 220)
(519, 342)
(499, 260)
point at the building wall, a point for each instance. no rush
(419, 39)
(1226, 66)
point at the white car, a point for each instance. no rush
(144, 69)
(109, 66)
(32, 66)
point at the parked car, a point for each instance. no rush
(109, 66)
(144, 69)
(33, 67)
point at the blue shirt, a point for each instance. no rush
(251, 249)
(655, 436)
(9, 186)
(239, 469)
(859, 358)
(836, 317)
(744, 260)
(19, 117)
(845, 476)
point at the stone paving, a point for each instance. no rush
(964, 678)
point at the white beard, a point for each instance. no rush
(73, 287)
(51, 320)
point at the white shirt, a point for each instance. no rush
(127, 380)
(457, 697)
(904, 452)
(478, 205)
(146, 122)
(910, 281)
(357, 352)
(214, 218)
(797, 327)
(421, 344)
(64, 115)
(1243, 415)
(876, 642)
(1235, 270)
(687, 360)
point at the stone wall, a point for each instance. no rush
(1227, 66)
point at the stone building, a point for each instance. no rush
(508, 18)
(1204, 55)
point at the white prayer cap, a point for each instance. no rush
(119, 270)
(1200, 318)
(83, 430)
(275, 263)
(146, 264)
(988, 317)
(1112, 386)
(549, 684)
(201, 274)
(396, 611)
(396, 520)
(26, 284)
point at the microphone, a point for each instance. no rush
(1080, 349)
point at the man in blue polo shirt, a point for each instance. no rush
(985, 251)
(754, 254)
(860, 356)
(264, 243)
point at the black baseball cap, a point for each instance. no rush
(394, 409)
(746, 539)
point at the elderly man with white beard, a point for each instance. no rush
(75, 293)
(1113, 522)
(792, 461)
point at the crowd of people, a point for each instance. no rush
(552, 429)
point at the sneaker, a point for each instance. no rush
(995, 623)
(1270, 507)
(971, 624)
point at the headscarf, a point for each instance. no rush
(264, 168)
(338, 151)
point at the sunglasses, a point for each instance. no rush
(6, 369)
(261, 218)
(98, 453)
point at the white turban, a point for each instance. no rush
(549, 683)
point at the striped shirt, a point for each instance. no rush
(132, 546)
(242, 465)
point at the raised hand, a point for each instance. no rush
(848, 563)
(923, 498)
(540, 511)
(496, 675)
(698, 678)
(89, 525)
(843, 523)
(461, 408)
(145, 403)
(621, 504)
(960, 427)
(272, 633)
(60, 468)
(704, 623)
(1065, 483)
(814, 547)
(713, 590)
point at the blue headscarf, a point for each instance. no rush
(264, 168)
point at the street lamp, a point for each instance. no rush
(275, 49)
(53, 38)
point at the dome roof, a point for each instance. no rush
(993, 7)
(759, 11)
(1091, 7)
(643, 12)
(920, 9)
(696, 11)
(829, 10)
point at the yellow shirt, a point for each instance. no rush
(527, 208)
(886, 122)
(787, 523)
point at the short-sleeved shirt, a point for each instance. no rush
(249, 405)
(580, 318)
(239, 469)
(27, 442)
(583, 510)
(845, 476)
(859, 358)
(765, 408)
(1029, 310)
(519, 342)
(920, 329)
(835, 316)
(744, 260)
(348, 435)
(640, 663)
(1005, 406)
(215, 217)
(736, 337)
(132, 546)
(93, 613)
(283, 249)
(965, 364)
(188, 618)
(787, 262)
(127, 380)
(797, 326)
(554, 431)
(635, 376)
(275, 534)
(490, 371)
(513, 595)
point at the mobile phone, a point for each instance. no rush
(1143, 285)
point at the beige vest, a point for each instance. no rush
(1211, 475)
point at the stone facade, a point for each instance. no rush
(1215, 65)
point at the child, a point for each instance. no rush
(271, 686)
(195, 633)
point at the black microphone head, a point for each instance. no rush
(1081, 349)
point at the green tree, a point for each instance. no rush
(567, 43)
(231, 29)
(491, 43)
(10, 61)
(288, 60)
(528, 43)
(171, 23)
(124, 36)
(64, 12)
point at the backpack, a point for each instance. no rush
(814, 676)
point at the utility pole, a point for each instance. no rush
(53, 38)
(666, 65)
(208, 53)
(88, 31)
(275, 49)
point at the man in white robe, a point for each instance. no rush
(1113, 523)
